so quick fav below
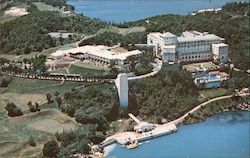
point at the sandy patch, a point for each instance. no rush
(15, 11)
(50, 126)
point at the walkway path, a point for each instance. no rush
(239, 70)
(156, 69)
(67, 69)
(181, 119)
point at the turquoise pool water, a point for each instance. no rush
(215, 84)
(129, 10)
(221, 136)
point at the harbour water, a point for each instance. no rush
(119, 11)
(224, 135)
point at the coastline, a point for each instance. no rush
(185, 119)
(206, 139)
(119, 17)
(107, 151)
(197, 117)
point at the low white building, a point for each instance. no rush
(143, 127)
(191, 46)
(211, 80)
(99, 53)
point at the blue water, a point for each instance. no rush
(221, 136)
(130, 10)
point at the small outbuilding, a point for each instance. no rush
(144, 127)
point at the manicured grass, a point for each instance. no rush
(122, 31)
(207, 65)
(89, 66)
(28, 86)
(15, 132)
(21, 100)
(86, 71)
(60, 70)
(44, 7)
(212, 93)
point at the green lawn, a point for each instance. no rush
(122, 31)
(89, 66)
(15, 132)
(87, 72)
(212, 93)
(44, 7)
(60, 71)
(20, 86)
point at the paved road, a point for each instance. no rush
(181, 119)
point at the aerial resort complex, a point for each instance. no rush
(191, 46)
(124, 85)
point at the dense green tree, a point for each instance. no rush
(51, 149)
(30, 33)
(13, 110)
(56, 94)
(32, 141)
(58, 101)
(69, 109)
(49, 98)
(5, 82)
(91, 115)
(168, 95)
(32, 108)
(3, 60)
(37, 106)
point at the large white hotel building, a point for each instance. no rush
(191, 46)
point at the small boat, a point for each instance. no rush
(132, 145)
(147, 141)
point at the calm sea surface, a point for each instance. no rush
(221, 136)
(130, 10)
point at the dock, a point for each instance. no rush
(127, 137)
(134, 118)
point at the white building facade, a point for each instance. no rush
(122, 87)
(100, 53)
(220, 52)
(191, 46)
